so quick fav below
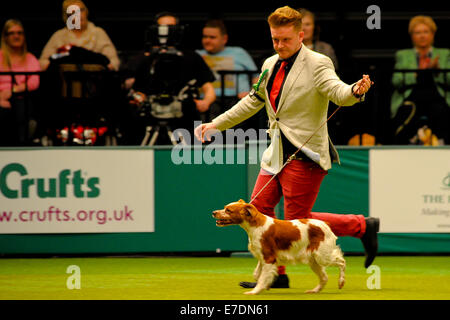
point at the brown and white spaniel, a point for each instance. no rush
(278, 242)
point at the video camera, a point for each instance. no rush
(166, 58)
(167, 86)
(163, 37)
(169, 94)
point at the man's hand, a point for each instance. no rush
(202, 105)
(205, 130)
(362, 86)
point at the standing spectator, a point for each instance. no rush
(89, 37)
(311, 39)
(15, 108)
(421, 95)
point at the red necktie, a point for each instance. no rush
(277, 83)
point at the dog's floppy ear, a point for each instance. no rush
(251, 210)
(241, 201)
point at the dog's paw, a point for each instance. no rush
(341, 283)
(250, 292)
(311, 291)
(315, 290)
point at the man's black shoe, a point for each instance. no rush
(282, 281)
(370, 240)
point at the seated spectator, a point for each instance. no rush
(218, 56)
(418, 102)
(89, 37)
(15, 108)
(166, 70)
(311, 38)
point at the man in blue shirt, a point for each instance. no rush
(218, 56)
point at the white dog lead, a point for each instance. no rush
(294, 154)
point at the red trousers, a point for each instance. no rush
(299, 183)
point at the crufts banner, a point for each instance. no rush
(76, 191)
(410, 190)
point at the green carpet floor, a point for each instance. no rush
(180, 278)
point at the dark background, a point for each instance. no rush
(342, 24)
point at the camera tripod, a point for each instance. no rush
(152, 133)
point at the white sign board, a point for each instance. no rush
(410, 190)
(76, 191)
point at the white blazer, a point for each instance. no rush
(310, 85)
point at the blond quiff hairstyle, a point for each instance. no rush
(285, 16)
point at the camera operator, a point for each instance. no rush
(166, 69)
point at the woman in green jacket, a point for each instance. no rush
(422, 56)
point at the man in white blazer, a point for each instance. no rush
(296, 86)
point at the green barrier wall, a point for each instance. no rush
(186, 195)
